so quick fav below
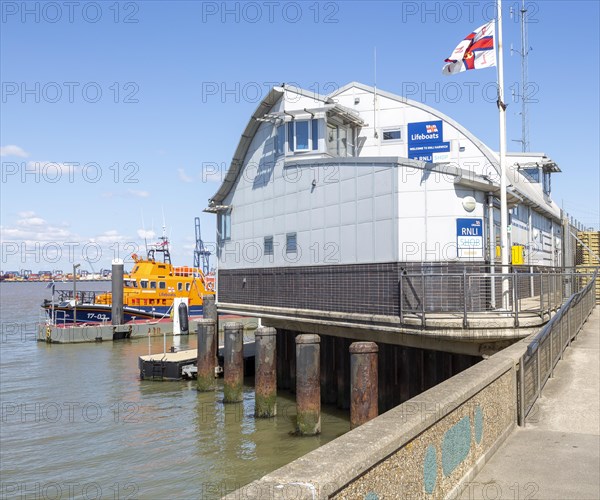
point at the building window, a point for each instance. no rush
(290, 134)
(268, 244)
(224, 225)
(315, 134)
(280, 141)
(291, 243)
(303, 135)
(546, 184)
(340, 140)
(389, 135)
(532, 173)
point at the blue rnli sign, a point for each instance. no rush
(425, 139)
(469, 238)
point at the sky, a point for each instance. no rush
(118, 117)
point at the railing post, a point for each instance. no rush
(400, 298)
(522, 415)
(423, 297)
(465, 298)
(539, 371)
(542, 295)
(551, 340)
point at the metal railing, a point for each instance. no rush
(547, 347)
(469, 295)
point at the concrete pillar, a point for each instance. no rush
(233, 362)
(206, 365)
(209, 311)
(265, 373)
(308, 386)
(363, 380)
(117, 292)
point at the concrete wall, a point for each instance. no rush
(427, 447)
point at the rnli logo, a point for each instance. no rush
(431, 129)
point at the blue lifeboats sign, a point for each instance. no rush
(425, 139)
(469, 238)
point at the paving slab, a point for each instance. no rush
(557, 454)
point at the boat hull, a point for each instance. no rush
(101, 313)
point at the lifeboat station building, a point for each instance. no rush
(330, 201)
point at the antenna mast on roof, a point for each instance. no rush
(524, 52)
(375, 92)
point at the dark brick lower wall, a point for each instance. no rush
(355, 288)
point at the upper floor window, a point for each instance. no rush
(546, 184)
(291, 245)
(224, 225)
(268, 245)
(392, 134)
(280, 141)
(303, 135)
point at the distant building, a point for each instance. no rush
(329, 198)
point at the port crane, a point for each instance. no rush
(201, 254)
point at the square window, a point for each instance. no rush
(291, 243)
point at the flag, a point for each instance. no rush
(476, 51)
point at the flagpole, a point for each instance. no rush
(503, 202)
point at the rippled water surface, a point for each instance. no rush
(77, 420)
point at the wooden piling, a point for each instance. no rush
(308, 386)
(265, 373)
(205, 380)
(233, 366)
(364, 382)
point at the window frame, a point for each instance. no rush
(268, 246)
(387, 130)
(291, 237)
(224, 225)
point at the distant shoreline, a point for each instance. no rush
(56, 282)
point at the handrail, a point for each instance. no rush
(467, 293)
(541, 349)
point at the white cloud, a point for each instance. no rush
(147, 234)
(31, 221)
(183, 176)
(12, 150)
(138, 194)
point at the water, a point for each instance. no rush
(77, 422)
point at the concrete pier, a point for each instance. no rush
(364, 381)
(233, 363)
(117, 292)
(206, 329)
(265, 373)
(308, 385)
